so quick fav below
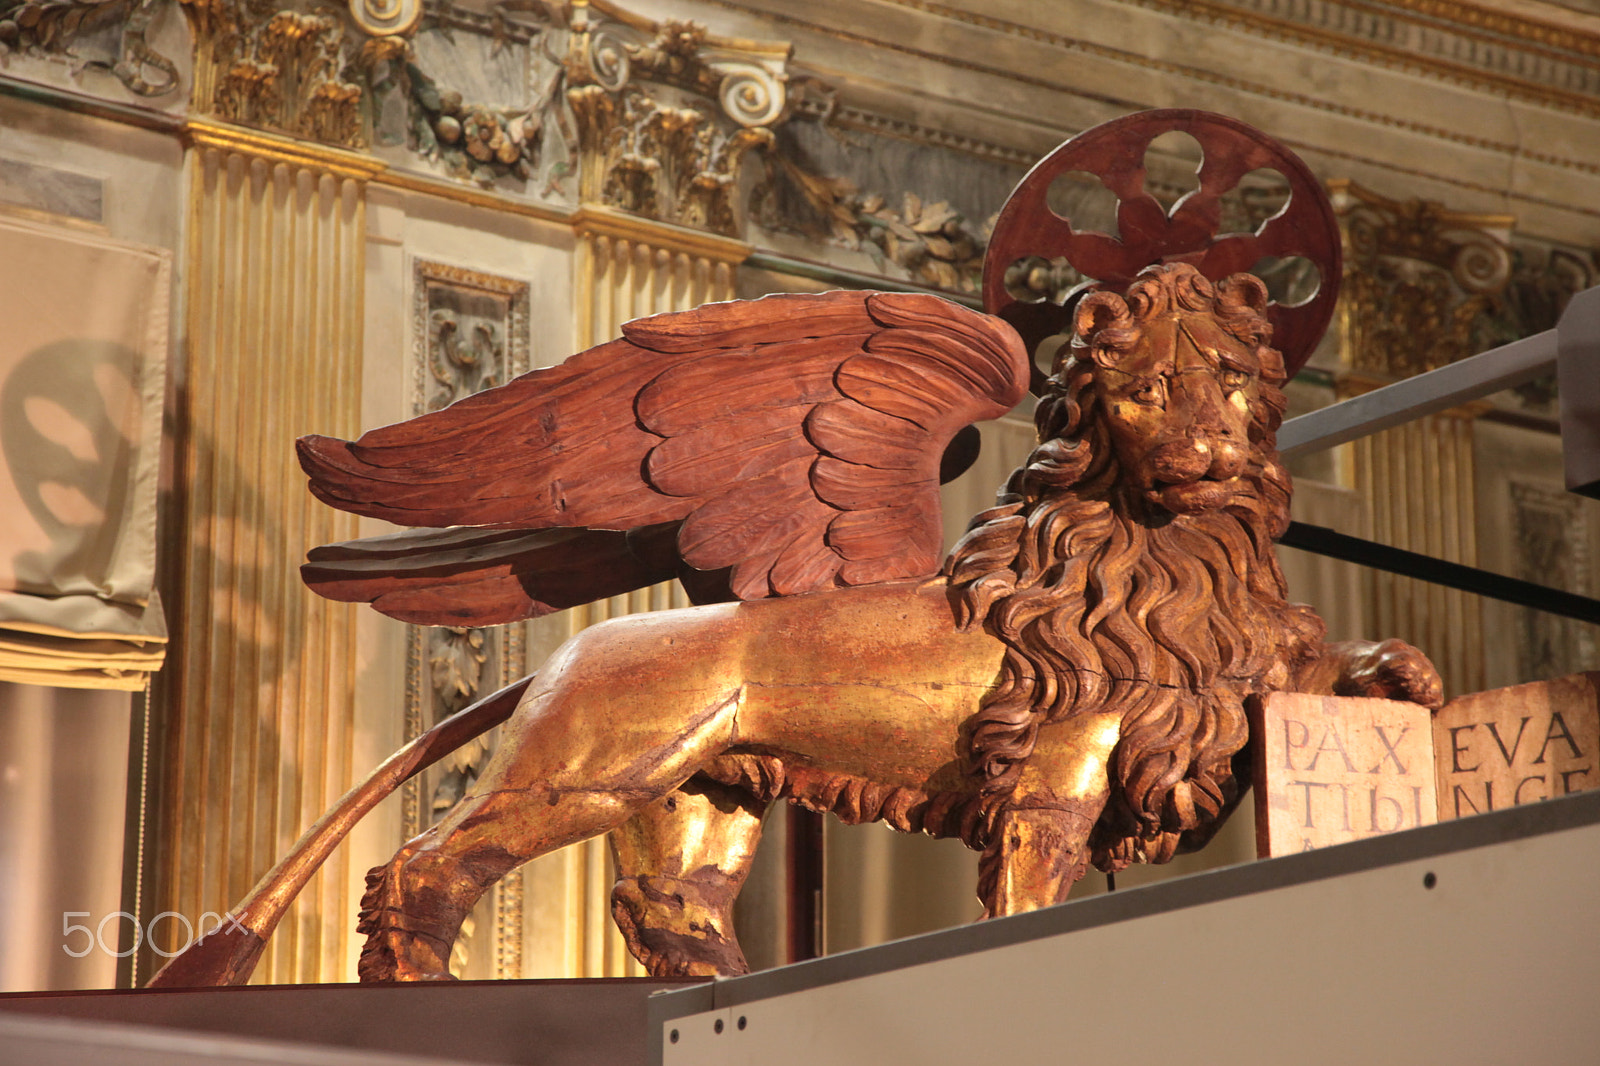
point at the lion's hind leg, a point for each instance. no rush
(554, 780)
(402, 944)
(681, 862)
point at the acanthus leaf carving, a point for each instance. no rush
(288, 71)
(666, 114)
(1418, 280)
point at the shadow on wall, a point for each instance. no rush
(70, 432)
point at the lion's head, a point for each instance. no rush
(1129, 562)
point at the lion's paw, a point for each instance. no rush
(1387, 669)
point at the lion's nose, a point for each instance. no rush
(1181, 460)
(1228, 458)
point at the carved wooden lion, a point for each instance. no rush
(1071, 687)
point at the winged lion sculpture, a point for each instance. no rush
(1067, 687)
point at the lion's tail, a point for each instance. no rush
(228, 954)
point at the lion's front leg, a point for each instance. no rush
(1385, 669)
(681, 862)
(1039, 845)
(1034, 858)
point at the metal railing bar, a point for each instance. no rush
(1324, 541)
(1468, 379)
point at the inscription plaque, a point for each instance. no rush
(1331, 769)
(1512, 746)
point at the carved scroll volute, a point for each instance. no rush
(666, 114)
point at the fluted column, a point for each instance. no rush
(257, 713)
(626, 268)
(1417, 481)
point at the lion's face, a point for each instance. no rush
(1179, 406)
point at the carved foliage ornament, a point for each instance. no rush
(470, 332)
(289, 71)
(928, 239)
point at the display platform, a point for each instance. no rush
(1472, 941)
(552, 1023)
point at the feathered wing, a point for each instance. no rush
(792, 442)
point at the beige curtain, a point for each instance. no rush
(82, 376)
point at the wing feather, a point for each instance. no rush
(858, 487)
(792, 442)
(858, 434)
(807, 563)
(702, 462)
(737, 384)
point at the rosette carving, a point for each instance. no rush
(379, 18)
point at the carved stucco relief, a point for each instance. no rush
(470, 332)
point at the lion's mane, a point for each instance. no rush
(1103, 600)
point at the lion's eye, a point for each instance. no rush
(1233, 380)
(1150, 393)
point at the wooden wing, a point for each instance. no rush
(792, 443)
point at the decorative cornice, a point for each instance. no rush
(202, 133)
(93, 106)
(847, 117)
(1298, 32)
(618, 225)
(1471, 17)
(1249, 16)
(1239, 84)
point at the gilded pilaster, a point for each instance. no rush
(259, 713)
(1419, 278)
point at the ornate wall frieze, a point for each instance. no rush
(470, 332)
(931, 241)
(66, 27)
